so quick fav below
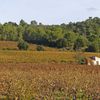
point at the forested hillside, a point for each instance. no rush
(83, 35)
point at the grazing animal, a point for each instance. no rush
(93, 60)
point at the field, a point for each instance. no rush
(13, 56)
(29, 81)
(46, 75)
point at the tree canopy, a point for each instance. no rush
(72, 36)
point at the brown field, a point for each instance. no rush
(46, 75)
(49, 81)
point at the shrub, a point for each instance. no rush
(40, 48)
(22, 45)
(80, 59)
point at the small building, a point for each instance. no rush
(93, 60)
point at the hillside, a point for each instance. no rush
(11, 45)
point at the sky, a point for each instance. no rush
(48, 11)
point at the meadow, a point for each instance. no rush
(46, 75)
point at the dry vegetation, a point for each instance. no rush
(46, 75)
(13, 56)
(29, 81)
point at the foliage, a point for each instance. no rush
(73, 36)
(81, 43)
(62, 43)
(22, 45)
(96, 44)
(80, 59)
(40, 48)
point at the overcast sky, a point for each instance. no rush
(48, 11)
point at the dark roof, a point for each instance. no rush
(93, 57)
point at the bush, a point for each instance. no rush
(90, 48)
(80, 59)
(62, 43)
(22, 45)
(40, 48)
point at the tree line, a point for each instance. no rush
(84, 35)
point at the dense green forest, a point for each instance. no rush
(83, 35)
